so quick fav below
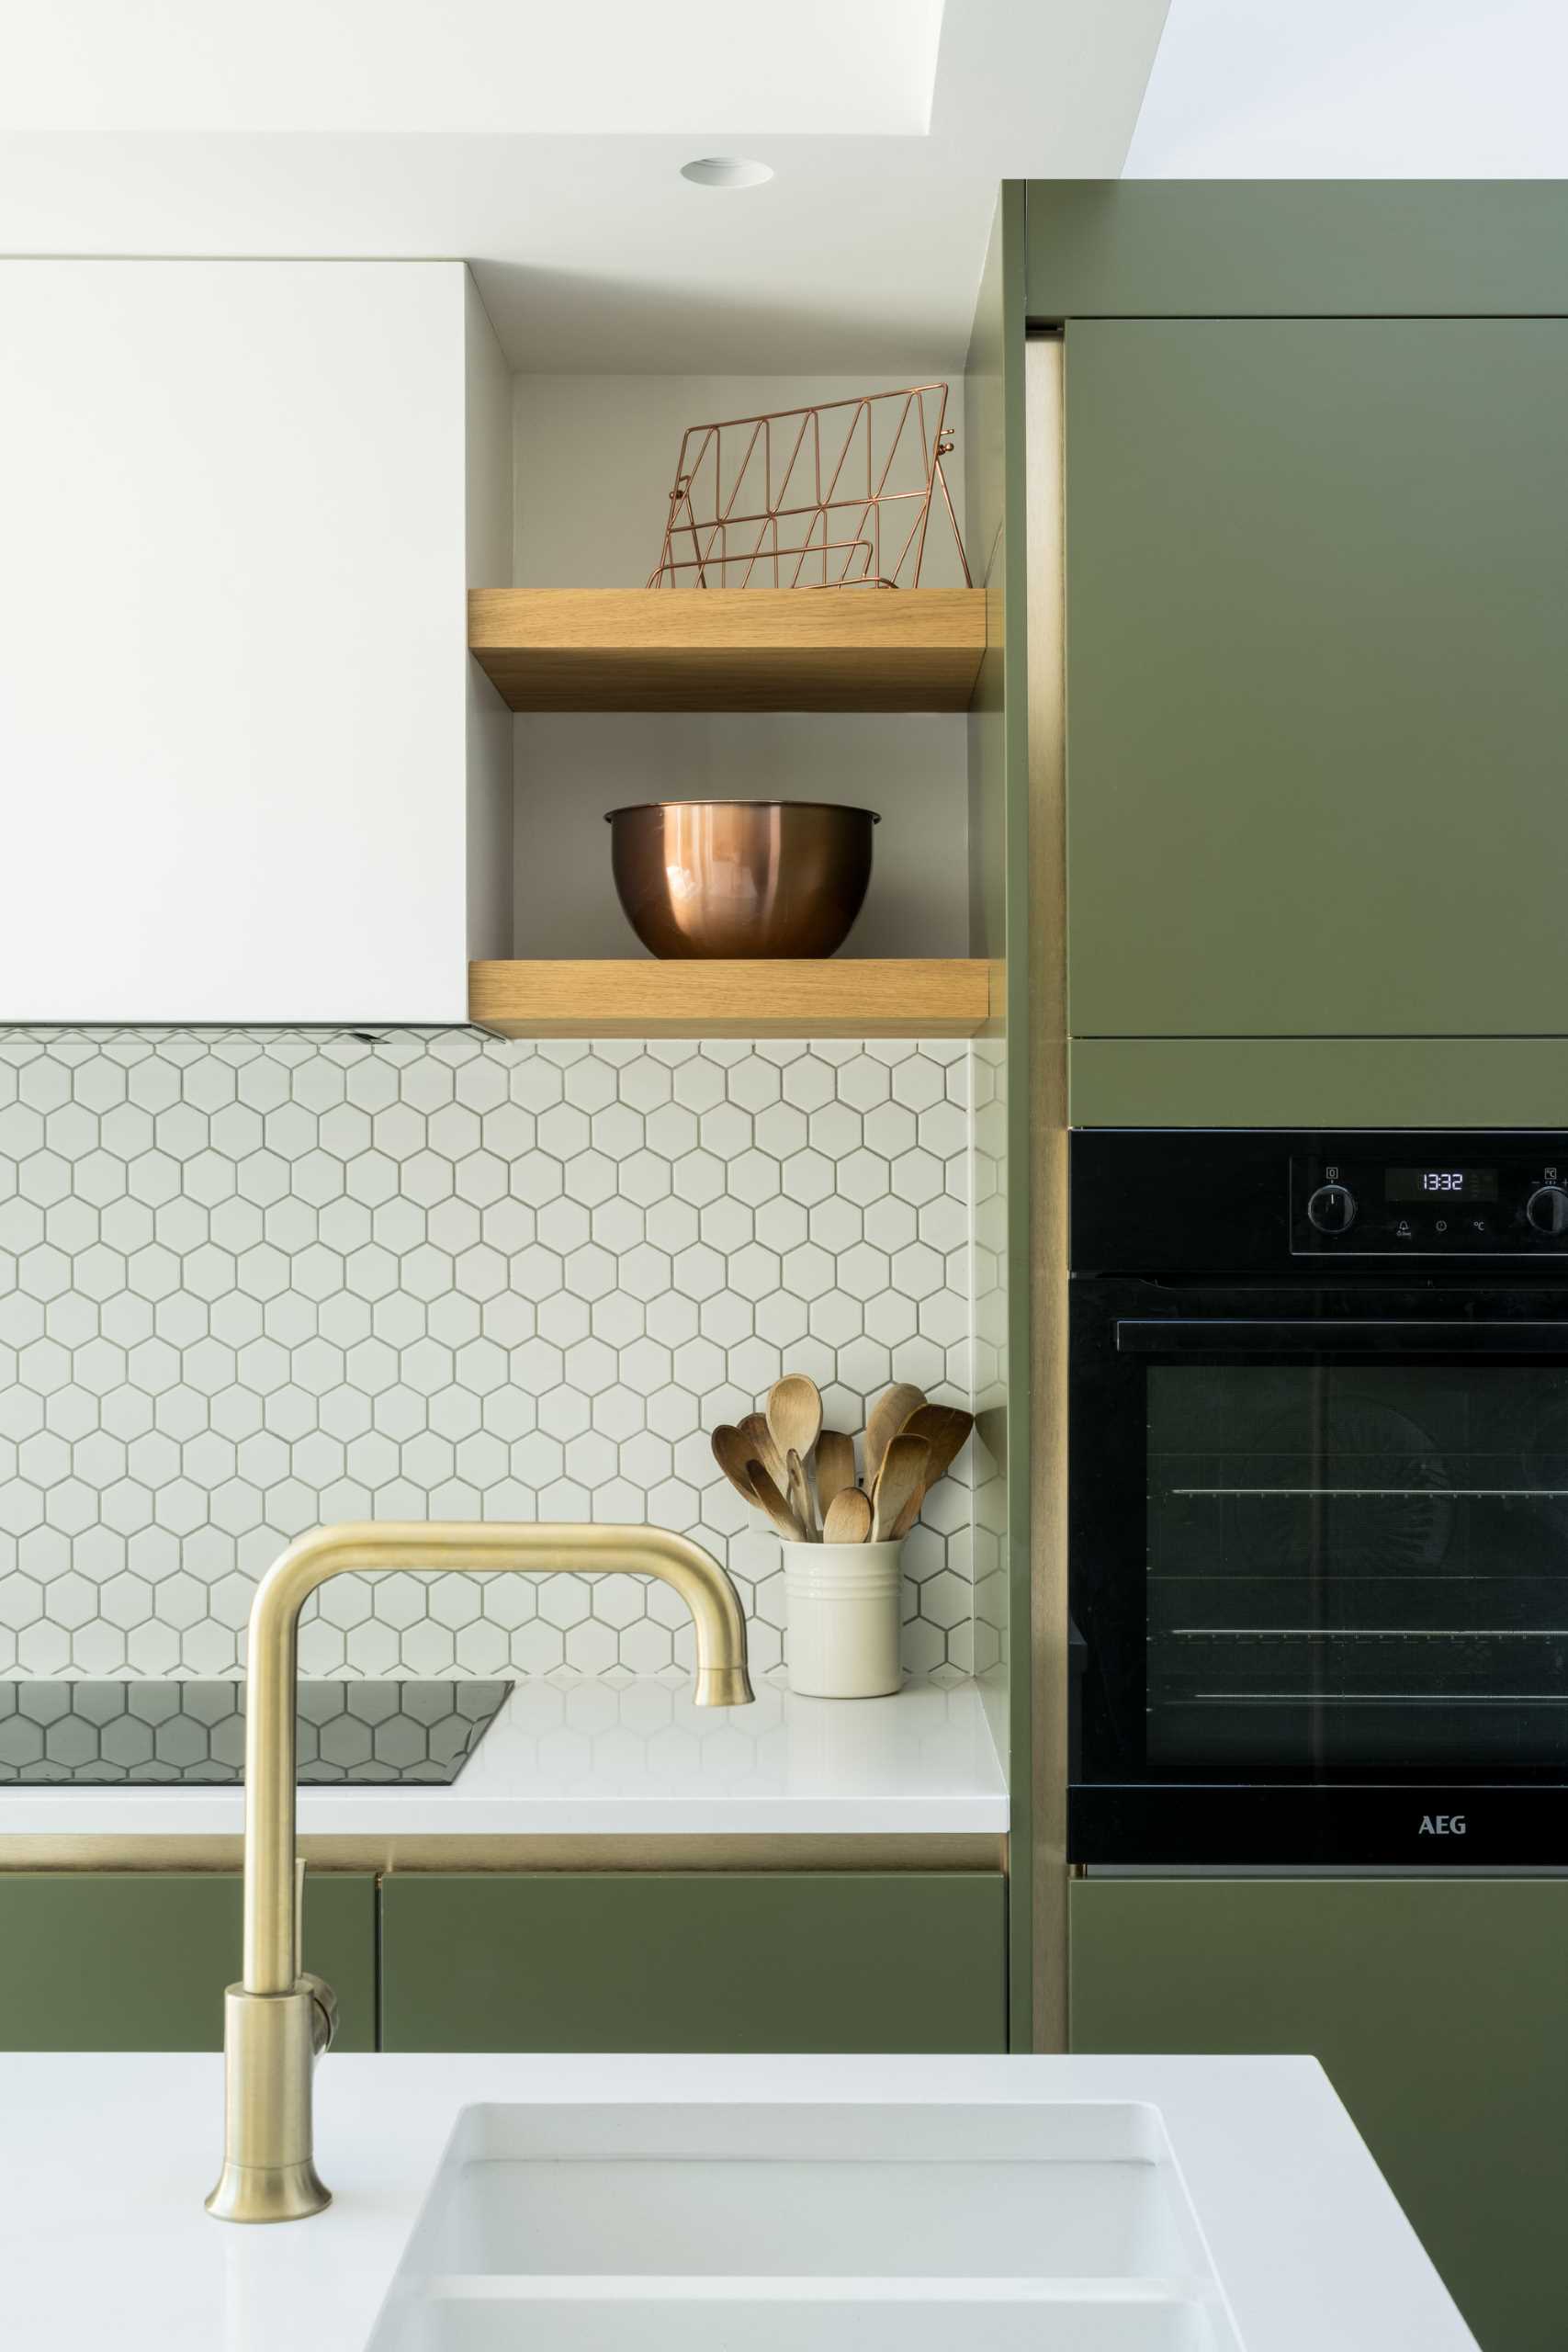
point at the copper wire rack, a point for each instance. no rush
(838, 495)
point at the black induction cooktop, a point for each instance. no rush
(145, 1734)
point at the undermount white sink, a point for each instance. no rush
(1060, 2227)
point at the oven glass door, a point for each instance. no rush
(1320, 1537)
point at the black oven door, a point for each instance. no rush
(1319, 1575)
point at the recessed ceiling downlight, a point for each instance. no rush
(726, 171)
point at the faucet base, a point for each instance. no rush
(270, 2041)
(268, 2193)
(722, 1686)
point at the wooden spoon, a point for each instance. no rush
(848, 1519)
(773, 1503)
(901, 1483)
(798, 1494)
(795, 1415)
(732, 1454)
(887, 1418)
(835, 1468)
(944, 1429)
(758, 1437)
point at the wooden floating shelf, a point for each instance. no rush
(730, 649)
(641, 997)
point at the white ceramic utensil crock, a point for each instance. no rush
(842, 1602)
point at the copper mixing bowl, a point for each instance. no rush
(742, 877)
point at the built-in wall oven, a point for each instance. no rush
(1318, 1499)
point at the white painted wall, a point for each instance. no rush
(595, 456)
(489, 527)
(233, 737)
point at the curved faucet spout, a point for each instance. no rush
(277, 2016)
(539, 1548)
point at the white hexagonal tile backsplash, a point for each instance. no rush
(255, 1280)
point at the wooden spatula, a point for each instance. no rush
(901, 1483)
(759, 1437)
(797, 1493)
(773, 1503)
(887, 1418)
(835, 1468)
(848, 1518)
(944, 1429)
(732, 1454)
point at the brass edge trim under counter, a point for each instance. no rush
(833, 1850)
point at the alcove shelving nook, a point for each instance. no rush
(628, 692)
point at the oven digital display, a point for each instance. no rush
(1440, 1184)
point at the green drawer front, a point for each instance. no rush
(753, 1960)
(1439, 2012)
(139, 1960)
(1319, 1081)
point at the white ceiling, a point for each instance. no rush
(543, 142)
(864, 66)
(1357, 89)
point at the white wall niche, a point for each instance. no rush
(593, 461)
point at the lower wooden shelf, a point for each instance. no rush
(641, 997)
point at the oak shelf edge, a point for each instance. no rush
(730, 649)
(642, 996)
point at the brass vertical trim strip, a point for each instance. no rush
(1045, 446)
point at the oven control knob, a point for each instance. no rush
(1332, 1208)
(1547, 1209)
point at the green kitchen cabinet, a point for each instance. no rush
(1439, 2012)
(1317, 697)
(768, 1960)
(139, 1960)
(1333, 249)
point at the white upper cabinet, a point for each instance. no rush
(247, 770)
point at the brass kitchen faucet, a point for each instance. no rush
(278, 2019)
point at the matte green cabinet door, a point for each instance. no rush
(1439, 2010)
(700, 1960)
(1317, 686)
(139, 1960)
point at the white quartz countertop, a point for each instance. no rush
(107, 2158)
(593, 1760)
